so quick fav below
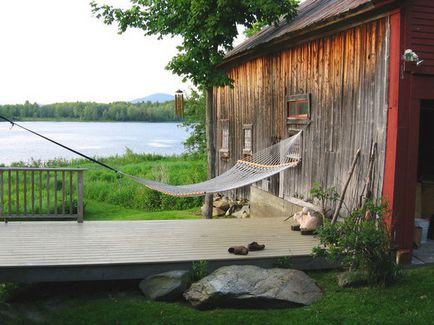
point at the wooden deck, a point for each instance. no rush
(64, 251)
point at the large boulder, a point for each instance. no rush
(166, 286)
(248, 286)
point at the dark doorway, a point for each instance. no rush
(426, 141)
(425, 174)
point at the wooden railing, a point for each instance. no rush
(41, 193)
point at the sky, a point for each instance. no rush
(55, 51)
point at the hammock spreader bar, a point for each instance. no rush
(262, 164)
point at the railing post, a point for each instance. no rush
(9, 192)
(63, 193)
(17, 192)
(32, 192)
(80, 196)
(25, 192)
(55, 193)
(2, 190)
(48, 191)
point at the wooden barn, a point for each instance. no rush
(350, 73)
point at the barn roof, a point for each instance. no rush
(310, 13)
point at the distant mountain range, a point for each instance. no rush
(154, 98)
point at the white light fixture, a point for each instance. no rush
(410, 56)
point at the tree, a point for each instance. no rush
(208, 28)
(256, 28)
(194, 121)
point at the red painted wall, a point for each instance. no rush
(392, 117)
(408, 85)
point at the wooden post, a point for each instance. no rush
(48, 192)
(55, 193)
(80, 196)
(33, 191)
(1, 193)
(344, 191)
(25, 192)
(210, 144)
(71, 191)
(63, 192)
(40, 192)
(17, 192)
(9, 192)
(367, 189)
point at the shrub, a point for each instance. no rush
(325, 197)
(199, 270)
(283, 262)
(361, 243)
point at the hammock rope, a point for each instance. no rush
(262, 164)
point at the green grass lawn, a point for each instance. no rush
(408, 302)
(104, 211)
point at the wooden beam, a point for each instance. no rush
(80, 186)
(210, 143)
(344, 191)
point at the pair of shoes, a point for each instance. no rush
(243, 250)
(238, 250)
(254, 246)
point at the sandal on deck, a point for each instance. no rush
(254, 246)
(238, 250)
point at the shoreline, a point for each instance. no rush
(59, 161)
(87, 121)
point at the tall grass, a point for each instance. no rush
(105, 186)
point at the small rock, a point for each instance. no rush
(222, 204)
(253, 287)
(243, 213)
(230, 210)
(216, 212)
(352, 279)
(166, 286)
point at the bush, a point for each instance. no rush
(361, 243)
(283, 262)
(325, 196)
(199, 270)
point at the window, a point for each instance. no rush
(298, 108)
(247, 139)
(224, 149)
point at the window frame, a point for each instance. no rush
(224, 130)
(247, 151)
(298, 119)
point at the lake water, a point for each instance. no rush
(91, 138)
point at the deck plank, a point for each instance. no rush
(131, 242)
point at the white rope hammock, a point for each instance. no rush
(263, 164)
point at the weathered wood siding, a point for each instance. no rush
(347, 76)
